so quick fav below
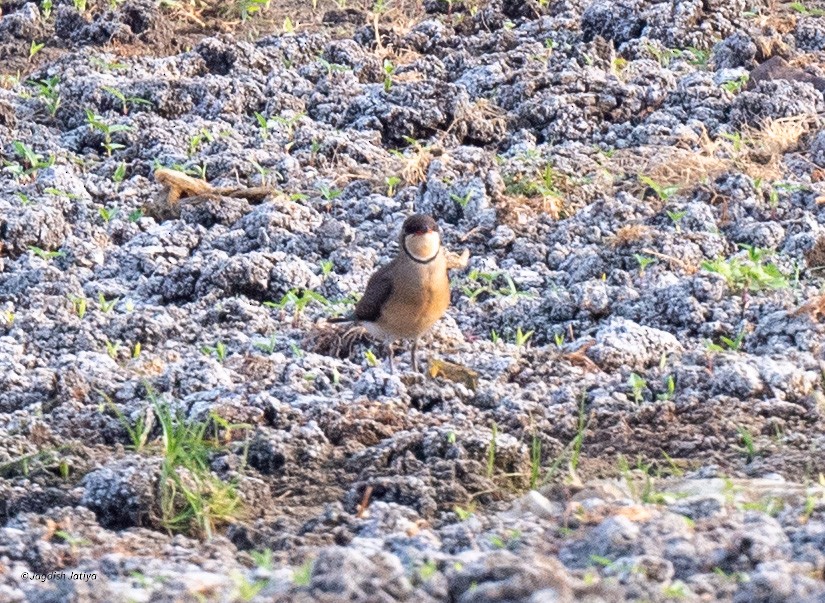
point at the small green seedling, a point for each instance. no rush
(675, 590)
(752, 273)
(59, 193)
(332, 67)
(749, 448)
(600, 560)
(268, 347)
(735, 138)
(45, 255)
(198, 139)
(264, 125)
(676, 217)
(736, 86)
(644, 262)
(106, 306)
(734, 344)
(427, 570)
(71, 540)
(670, 384)
(32, 161)
(108, 65)
(47, 91)
(34, 48)
(522, 337)
(218, 350)
(389, 70)
(697, 57)
(79, 305)
(249, 8)
(637, 386)
(303, 575)
(125, 101)
(491, 450)
(108, 213)
(663, 192)
(391, 182)
(329, 194)
(112, 349)
(263, 559)
(806, 11)
(97, 122)
(120, 173)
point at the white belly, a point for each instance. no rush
(377, 332)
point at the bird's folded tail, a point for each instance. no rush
(340, 319)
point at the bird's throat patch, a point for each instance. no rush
(422, 247)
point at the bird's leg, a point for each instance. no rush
(413, 354)
(390, 357)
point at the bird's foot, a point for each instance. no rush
(391, 358)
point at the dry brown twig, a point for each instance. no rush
(579, 358)
(365, 502)
(178, 186)
(669, 258)
(457, 373)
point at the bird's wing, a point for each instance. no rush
(379, 289)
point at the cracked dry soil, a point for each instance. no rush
(623, 403)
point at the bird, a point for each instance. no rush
(406, 297)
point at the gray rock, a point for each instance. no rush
(780, 581)
(737, 50)
(775, 99)
(622, 342)
(504, 576)
(739, 379)
(125, 493)
(700, 506)
(349, 575)
(818, 149)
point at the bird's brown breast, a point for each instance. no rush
(420, 296)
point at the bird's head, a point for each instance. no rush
(420, 237)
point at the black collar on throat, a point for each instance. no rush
(415, 259)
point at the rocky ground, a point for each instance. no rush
(624, 401)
